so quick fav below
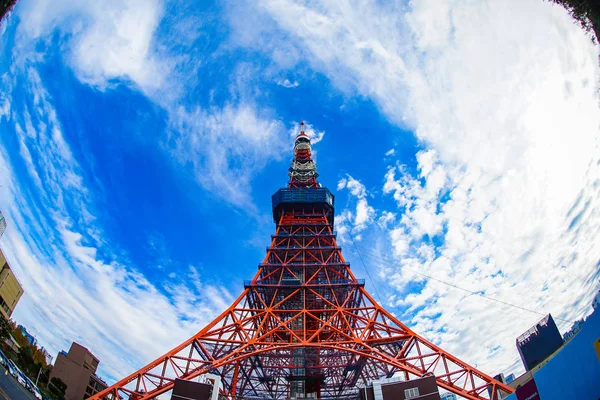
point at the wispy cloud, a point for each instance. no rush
(119, 43)
(510, 119)
(504, 200)
(286, 83)
(112, 40)
(355, 221)
(78, 286)
(227, 148)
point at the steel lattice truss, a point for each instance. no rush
(304, 324)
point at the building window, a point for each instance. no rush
(4, 305)
(411, 393)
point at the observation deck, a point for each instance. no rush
(290, 199)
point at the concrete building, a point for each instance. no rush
(206, 390)
(77, 369)
(394, 389)
(539, 342)
(47, 355)
(10, 288)
(572, 372)
(188, 390)
(574, 330)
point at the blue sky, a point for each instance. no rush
(141, 142)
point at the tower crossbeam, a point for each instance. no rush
(304, 325)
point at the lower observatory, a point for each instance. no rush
(304, 326)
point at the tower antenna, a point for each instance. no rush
(304, 327)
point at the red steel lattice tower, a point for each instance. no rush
(304, 326)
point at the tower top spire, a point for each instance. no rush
(302, 133)
(303, 171)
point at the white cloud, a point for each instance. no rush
(286, 83)
(108, 40)
(390, 152)
(117, 42)
(227, 147)
(361, 217)
(315, 135)
(509, 118)
(508, 110)
(387, 217)
(356, 188)
(76, 287)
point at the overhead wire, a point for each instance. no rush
(363, 262)
(394, 264)
(366, 270)
(527, 251)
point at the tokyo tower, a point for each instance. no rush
(304, 326)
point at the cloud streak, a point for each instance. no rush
(353, 222)
(508, 114)
(139, 44)
(77, 287)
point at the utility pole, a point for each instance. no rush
(38, 376)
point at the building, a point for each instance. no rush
(577, 325)
(395, 389)
(499, 378)
(448, 396)
(510, 378)
(95, 385)
(30, 338)
(576, 366)
(47, 355)
(2, 224)
(539, 342)
(77, 369)
(570, 373)
(12, 343)
(188, 390)
(10, 288)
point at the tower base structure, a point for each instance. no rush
(304, 327)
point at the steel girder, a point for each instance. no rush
(304, 324)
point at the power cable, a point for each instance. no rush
(362, 261)
(454, 286)
(366, 270)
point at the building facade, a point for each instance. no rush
(539, 342)
(47, 355)
(77, 369)
(10, 288)
(395, 389)
(574, 329)
(510, 378)
(571, 373)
